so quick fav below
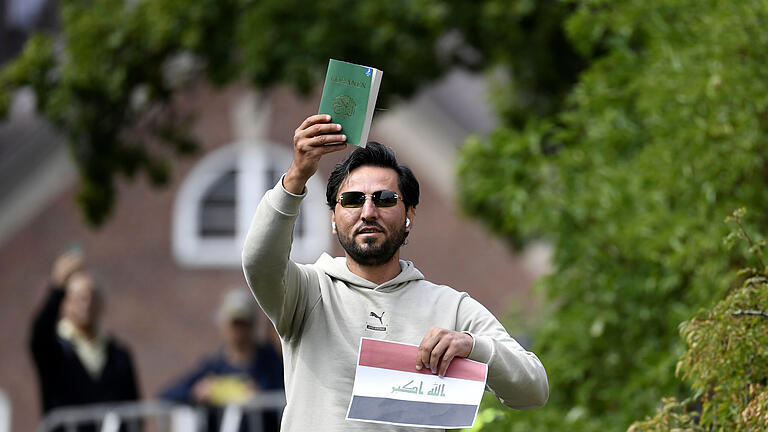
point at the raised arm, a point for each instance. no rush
(315, 138)
(282, 287)
(43, 341)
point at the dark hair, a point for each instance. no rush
(374, 154)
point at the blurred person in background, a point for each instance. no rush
(77, 362)
(236, 372)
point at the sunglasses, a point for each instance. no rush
(382, 198)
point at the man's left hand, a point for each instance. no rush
(439, 347)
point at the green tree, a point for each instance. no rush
(664, 133)
(108, 78)
(726, 360)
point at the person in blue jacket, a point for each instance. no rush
(237, 371)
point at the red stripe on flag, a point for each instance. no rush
(402, 357)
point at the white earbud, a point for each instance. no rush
(333, 225)
(407, 222)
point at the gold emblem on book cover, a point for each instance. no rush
(344, 106)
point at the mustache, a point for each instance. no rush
(369, 225)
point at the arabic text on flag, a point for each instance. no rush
(389, 389)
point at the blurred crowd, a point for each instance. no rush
(78, 363)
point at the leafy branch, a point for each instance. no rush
(726, 360)
(755, 248)
(750, 312)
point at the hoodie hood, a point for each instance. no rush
(337, 268)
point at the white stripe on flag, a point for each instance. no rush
(414, 386)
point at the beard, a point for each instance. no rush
(369, 253)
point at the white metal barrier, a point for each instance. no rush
(5, 412)
(165, 416)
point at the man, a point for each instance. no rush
(77, 362)
(236, 372)
(322, 310)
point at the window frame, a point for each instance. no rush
(249, 159)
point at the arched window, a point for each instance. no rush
(218, 206)
(219, 196)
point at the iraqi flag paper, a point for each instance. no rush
(389, 389)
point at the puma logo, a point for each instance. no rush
(373, 314)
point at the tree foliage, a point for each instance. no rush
(628, 129)
(663, 133)
(107, 79)
(726, 360)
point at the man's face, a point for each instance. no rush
(371, 235)
(82, 303)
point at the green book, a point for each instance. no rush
(349, 96)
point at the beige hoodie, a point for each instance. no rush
(322, 310)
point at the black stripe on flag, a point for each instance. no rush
(412, 412)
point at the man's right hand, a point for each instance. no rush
(314, 138)
(65, 266)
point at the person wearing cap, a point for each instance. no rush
(237, 371)
(77, 362)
